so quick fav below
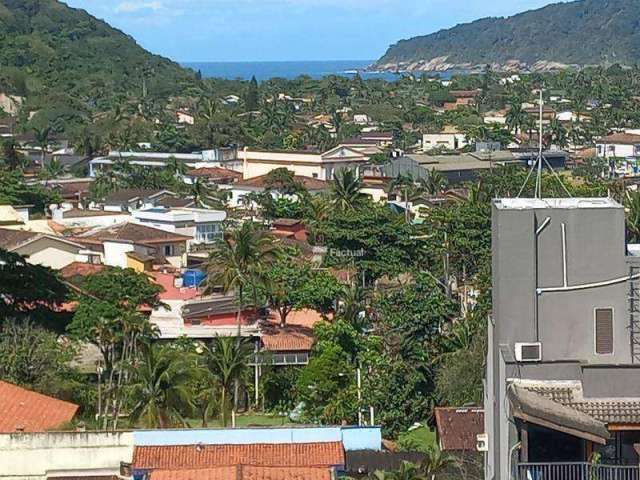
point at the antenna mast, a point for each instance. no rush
(537, 165)
(538, 193)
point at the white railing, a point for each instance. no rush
(575, 471)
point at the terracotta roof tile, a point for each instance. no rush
(132, 233)
(10, 239)
(244, 472)
(620, 139)
(27, 411)
(214, 172)
(459, 427)
(79, 269)
(308, 182)
(259, 454)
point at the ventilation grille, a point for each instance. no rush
(604, 331)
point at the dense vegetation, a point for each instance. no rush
(585, 32)
(62, 57)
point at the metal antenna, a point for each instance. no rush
(537, 165)
(538, 193)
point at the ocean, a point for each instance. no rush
(289, 70)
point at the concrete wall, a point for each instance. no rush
(527, 237)
(564, 324)
(353, 438)
(34, 455)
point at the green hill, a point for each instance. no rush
(586, 32)
(47, 47)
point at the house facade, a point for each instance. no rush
(449, 138)
(619, 145)
(562, 389)
(204, 227)
(321, 166)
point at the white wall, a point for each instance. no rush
(115, 254)
(619, 151)
(32, 455)
(448, 140)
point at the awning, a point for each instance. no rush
(542, 411)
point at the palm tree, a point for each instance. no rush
(227, 361)
(436, 462)
(516, 116)
(51, 170)
(632, 207)
(346, 189)
(160, 389)
(42, 139)
(406, 471)
(175, 167)
(434, 183)
(239, 261)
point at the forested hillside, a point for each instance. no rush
(50, 49)
(585, 32)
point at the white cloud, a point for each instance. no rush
(135, 6)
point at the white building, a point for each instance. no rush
(449, 138)
(201, 225)
(207, 158)
(619, 145)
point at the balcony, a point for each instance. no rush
(280, 359)
(575, 471)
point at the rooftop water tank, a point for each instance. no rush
(193, 278)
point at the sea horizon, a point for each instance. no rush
(289, 69)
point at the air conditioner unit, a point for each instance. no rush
(529, 352)
(482, 442)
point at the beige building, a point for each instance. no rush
(321, 166)
(42, 249)
(450, 138)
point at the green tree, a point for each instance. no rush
(239, 261)
(293, 285)
(29, 290)
(108, 315)
(32, 357)
(160, 391)
(227, 360)
(346, 189)
(251, 101)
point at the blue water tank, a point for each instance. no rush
(193, 278)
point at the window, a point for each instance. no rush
(314, 175)
(604, 331)
(168, 250)
(208, 233)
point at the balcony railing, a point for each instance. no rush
(575, 471)
(278, 359)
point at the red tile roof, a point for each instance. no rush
(459, 427)
(27, 411)
(257, 454)
(308, 182)
(214, 172)
(244, 472)
(79, 269)
(297, 336)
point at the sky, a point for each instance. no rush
(296, 30)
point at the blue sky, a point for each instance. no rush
(265, 30)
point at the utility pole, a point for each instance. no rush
(359, 386)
